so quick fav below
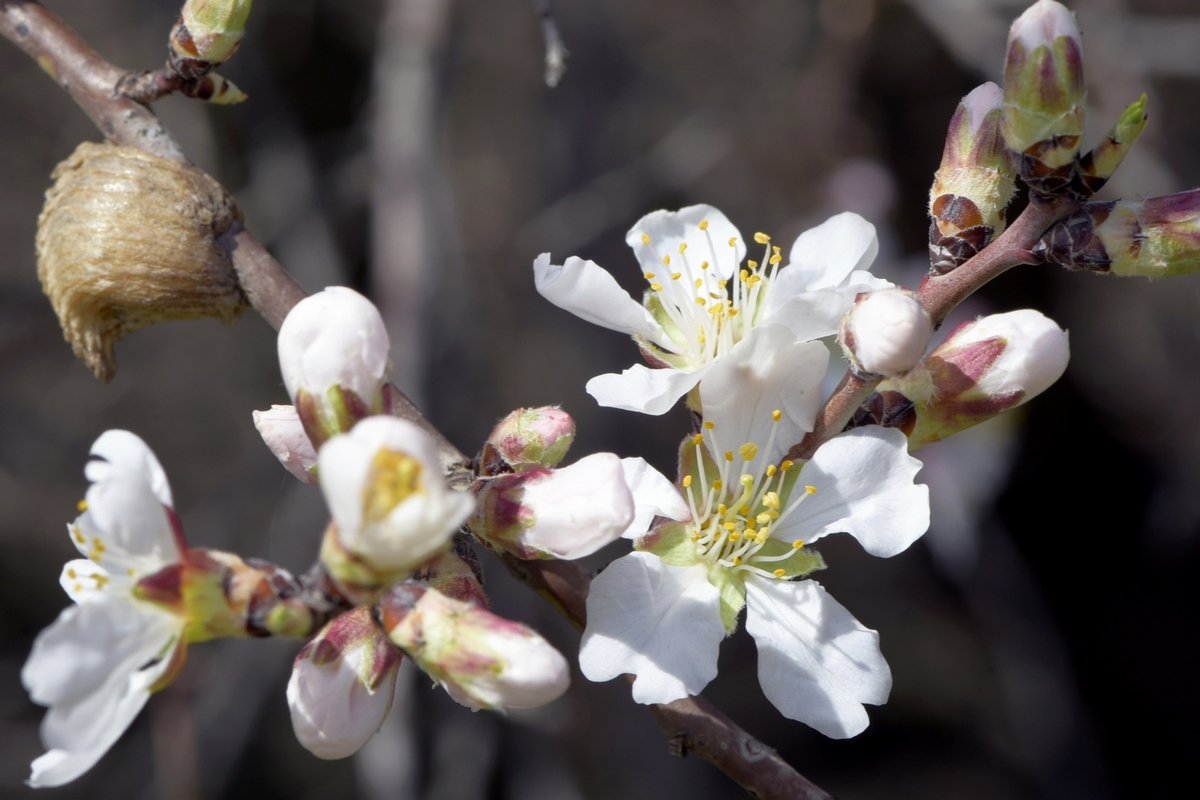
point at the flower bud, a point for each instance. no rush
(1098, 166)
(1150, 238)
(342, 684)
(886, 332)
(207, 33)
(985, 367)
(1044, 95)
(284, 435)
(480, 659)
(527, 438)
(564, 513)
(127, 239)
(456, 573)
(974, 182)
(391, 507)
(333, 353)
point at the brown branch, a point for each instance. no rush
(690, 725)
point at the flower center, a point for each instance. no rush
(732, 520)
(702, 313)
(392, 478)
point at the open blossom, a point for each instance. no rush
(702, 300)
(391, 507)
(96, 666)
(661, 612)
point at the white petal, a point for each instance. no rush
(592, 294)
(669, 229)
(126, 526)
(825, 256)
(816, 663)
(864, 482)
(640, 388)
(767, 371)
(283, 433)
(653, 496)
(334, 337)
(122, 450)
(85, 581)
(580, 508)
(657, 622)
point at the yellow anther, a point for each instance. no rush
(776, 249)
(733, 241)
(753, 279)
(771, 470)
(71, 573)
(761, 238)
(705, 265)
(656, 286)
(101, 580)
(648, 276)
(722, 284)
(98, 545)
(777, 415)
(780, 572)
(82, 505)
(810, 489)
(703, 224)
(743, 274)
(698, 439)
(722, 509)
(695, 537)
(751, 263)
(763, 535)
(737, 561)
(698, 283)
(700, 301)
(718, 485)
(729, 526)
(748, 451)
(799, 543)
(676, 276)
(729, 455)
(709, 424)
(76, 588)
(786, 465)
(733, 312)
(667, 260)
(771, 500)
(645, 238)
(714, 296)
(687, 481)
(763, 519)
(751, 533)
(682, 248)
(735, 536)
(78, 535)
(775, 258)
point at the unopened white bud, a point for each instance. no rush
(886, 332)
(342, 684)
(481, 659)
(283, 433)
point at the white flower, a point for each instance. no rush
(482, 660)
(342, 685)
(886, 332)
(701, 302)
(333, 353)
(283, 433)
(661, 613)
(385, 490)
(96, 666)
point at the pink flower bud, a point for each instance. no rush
(886, 332)
(341, 687)
(482, 660)
(284, 435)
(527, 438)
(556, 513)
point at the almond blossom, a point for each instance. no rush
(96, 666)
(701, 300)
(744, 540)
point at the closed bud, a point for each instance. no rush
(985, 367)
(1044, 96)
(1098, 166)
(207, 33)
(974, 182)
(527, 438)
(482, 660)
(127, 239)
(284, 435)
(455, 573)
(1149, 238)
(885, 333)
(342, 685)
(333, 353)
(556, 513)
(392, 509)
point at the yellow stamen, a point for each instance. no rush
(751, 263)
(733, 241)
(698, 439)
(810, 489)
(667, 261)
(682, 248)
(799, 543)
(648, 276)
(718, 485)
(392, 478)
(656, 287)
(709, 424)
(687, 481)
(777, 415)
(729, 455)
(645, 238)
(786, 465)
(761, 238)
(704, 265)
(703, 224)
(780, 572)
(81, 505)
(748, 451)
(676, 276)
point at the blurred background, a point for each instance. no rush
(1043, 635)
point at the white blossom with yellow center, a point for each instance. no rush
(744, 540)
(704, 295)
(96, 666)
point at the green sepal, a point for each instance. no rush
(732, 589)
(803, 561)
(672, 543)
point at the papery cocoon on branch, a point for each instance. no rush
(127, 239)
(974, 182)
(556, 513)
(481, 659)
(342, 685)
(527, 438)
(392, 509)
(333, 353)
(886, 332)
(1150, 238)
(1044, 95)
(985, 367)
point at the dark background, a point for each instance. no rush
(1042, 635)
